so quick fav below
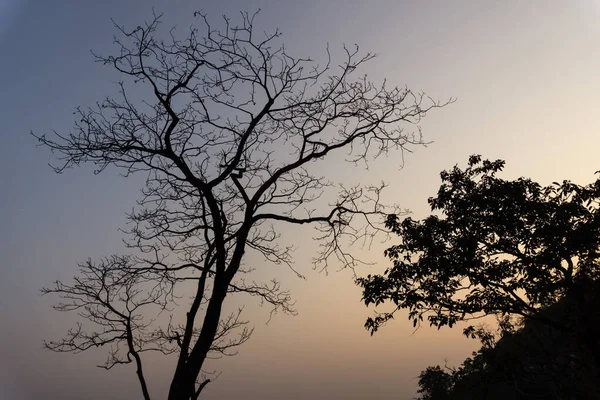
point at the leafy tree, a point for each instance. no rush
(500, 247)
(435, 383)
(531, 360)
(231, 138)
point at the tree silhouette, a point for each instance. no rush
(434, 383)
(499, 248)
(525, 359)
(231, 139)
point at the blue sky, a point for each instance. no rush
(525, 75)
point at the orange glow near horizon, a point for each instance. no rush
(525, 76)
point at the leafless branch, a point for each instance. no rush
(231, 139)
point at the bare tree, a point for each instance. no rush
(230, 140)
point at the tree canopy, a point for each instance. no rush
(492, 247)
(524, 359)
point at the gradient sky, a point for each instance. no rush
(526, 78)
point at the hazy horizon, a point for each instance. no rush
(525, 76)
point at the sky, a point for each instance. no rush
(525, 78)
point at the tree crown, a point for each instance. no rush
(498, 247)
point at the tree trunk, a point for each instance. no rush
(183, 385)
